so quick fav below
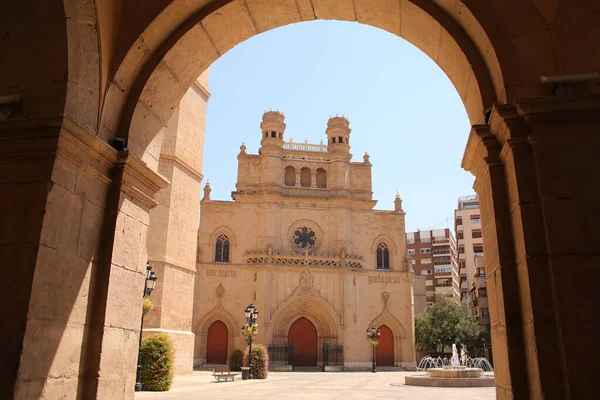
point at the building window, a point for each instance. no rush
(461, 250)
(477, 249)
(222, 249)
(413, 261)
(426, 261)
(476, 234)
(426, 272)
(425, 251)
(333, 139)
(383, 256)
(273, 134)
(321, 178)
(460, 235)
(485, 312)
(305, 177)
(411, 252)
(459, 221)
(475, 219)
(290, 176)
(483, 292)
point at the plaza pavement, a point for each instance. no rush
(312, 385)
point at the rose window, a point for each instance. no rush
(304, 239)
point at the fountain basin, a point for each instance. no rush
(426, 380)
(455, 372)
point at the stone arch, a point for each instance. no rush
(305, 177)
(181, 45)
(316, 310)
(201, 331)
(321, 178)
(397, 330)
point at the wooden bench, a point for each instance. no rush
(223, 372)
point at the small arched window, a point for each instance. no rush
(222, 249)
(305, 177)
(383, 256)
(321, 178)
(290, 176)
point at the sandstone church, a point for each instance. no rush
(302, 242)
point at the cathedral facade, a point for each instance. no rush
(302, 242)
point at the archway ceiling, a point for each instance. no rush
(160, 67)
(521, 34)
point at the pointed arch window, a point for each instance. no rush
(383, 256)
(222, 249)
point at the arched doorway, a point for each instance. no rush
(216, 343)
(303, 337)
(385, 349)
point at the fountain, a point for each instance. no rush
(441, 372)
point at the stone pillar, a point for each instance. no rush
(547, 149)
(298, 177)
(313, 179)
(172, 238)
(78, 215)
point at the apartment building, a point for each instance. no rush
(478, 295)
(469, 241)
(432, 254)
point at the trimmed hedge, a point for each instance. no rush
(157, 363)
(236, 360)
(260, 361)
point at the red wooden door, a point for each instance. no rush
(303, 335)
(216, 344)
(384, 351)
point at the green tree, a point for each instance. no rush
(445, 322)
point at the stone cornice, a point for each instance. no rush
(180, 265)
(191, 170)
(201, 90)
(137, 180)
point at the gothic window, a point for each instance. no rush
(222, 249)
(290, 176)
(383, 256)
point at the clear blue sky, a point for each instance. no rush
(403, 111)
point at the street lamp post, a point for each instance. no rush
(372, 335)
(149, 284)
(251, 326)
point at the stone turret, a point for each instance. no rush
(272, 127)
(338, 135)
(398, 204)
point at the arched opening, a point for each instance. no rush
(305, 177)
(134, 68)
(302, 342)
(216, 343)
(321, 178)
(384, 351)
(290, 176)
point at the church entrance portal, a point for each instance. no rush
(216, 344)
(385, 348)
(302, 337)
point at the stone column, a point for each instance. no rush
(298, 177)
(313, 179)
(548, 150)
(75, 253)
(172, 238)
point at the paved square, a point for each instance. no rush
(305, 385)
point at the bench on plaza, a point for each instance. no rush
(223, 372)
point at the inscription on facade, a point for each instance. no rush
(384, 279)
(222, 273)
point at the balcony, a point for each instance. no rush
(439, 242)
(320, 148)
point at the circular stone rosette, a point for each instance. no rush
(305, 236)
